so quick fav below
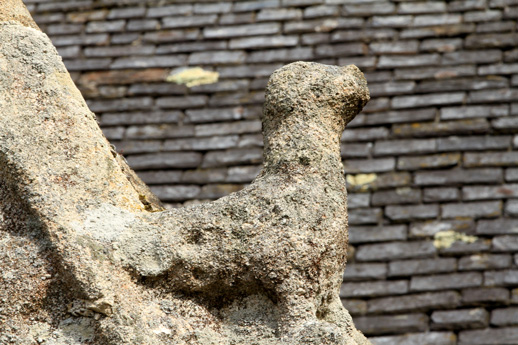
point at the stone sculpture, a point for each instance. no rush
(95, 258)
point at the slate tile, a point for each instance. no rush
(478, 209)
(479, 262)
(436, 338)
(369, 234)
(373, 289)
(504, 317)
(412, 267)
(176, 160)
(411, 212)
(463, 319)
(398, 196)
(470, 126)
(395, 251)
(446, 281)
(440, 194)
(459, 176)
(478, 296)
(473, 111)
(430, 228)
(387, 324)
(365, 271)
(443, 160)
(175, 192)
(414, 302)
(507, 336)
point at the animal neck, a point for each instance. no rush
(304, 143)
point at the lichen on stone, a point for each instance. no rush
(445, 239)
(193, 77)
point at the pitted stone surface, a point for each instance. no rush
(263, 265)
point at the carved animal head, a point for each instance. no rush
(314, 91)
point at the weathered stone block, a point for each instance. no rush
(189, 21)
(414, 302)
(372, 289)
(165, 36)
(219, 7)
(181, 102)
(501, 336)
(430, 228)
(395, 251)
(422, 7)
(232, 157)
(444, 160)
(128, 12)
(125, 104)
(159, 131)
(490, 192)
(176, 192)
(446, 281)
(149, 61)
(217, 58)
(502, 158)
(504, 317)
(280, 54)
(392, 21)
(443, 72)
(161, 176)
(365, 134)
(424, 266)
(245, 6)
(260, 42)
(201, 144)
(360, 216)
(459, 176)
(216, 191)
(242, 174)
(442, 128)
(463, 84)
(465, 248)
(172, 10)
(400, 102)
(241, 30)
(279, 14)
(484, 262)
(485, 295)
(407, 146)
(376, 325)
(455, 319)
(357, 166)
(440, 194)
(359, 271)
(108, 26)
(473, 143)
(366, 234)
(506, 243)
(400, 116)
(321, 11)
(357, 200)
(411, 212)
(442, 45)
(397, 196)
(436, 338)
(481, 209)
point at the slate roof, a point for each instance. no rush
(434, 150)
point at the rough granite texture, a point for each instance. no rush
(92, 258)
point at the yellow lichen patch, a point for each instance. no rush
(193, 77)
(445, 239)
(361, 181)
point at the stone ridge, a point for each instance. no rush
(433, 151)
